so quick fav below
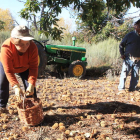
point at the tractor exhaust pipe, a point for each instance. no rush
(73, 40)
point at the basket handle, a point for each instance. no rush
(24, 97)
(32, 96)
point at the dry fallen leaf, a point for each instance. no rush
(116, 120)
(89, 117)
(4, 126)
(25, 128)
(70, 138)
(121, 126)
(62, 128)
(99, 117)
(11, 138)
(67, 132)
(11, 111)
(78, 138)
(0, 128)
(61, 124)
(103, 123)
(113, 116)
(55, 126)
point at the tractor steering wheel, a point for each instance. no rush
(44, 42)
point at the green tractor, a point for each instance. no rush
(68, 59)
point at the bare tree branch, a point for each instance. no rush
(21, 1)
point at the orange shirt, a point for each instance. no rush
(15, 63)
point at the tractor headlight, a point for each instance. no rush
(83, 59)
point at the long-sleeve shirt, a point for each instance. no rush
(130, 45)
(15, 63)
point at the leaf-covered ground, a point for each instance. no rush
(77, 109)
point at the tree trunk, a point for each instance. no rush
(42, 12)
(35, 23)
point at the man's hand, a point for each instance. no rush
(123, 56)
(30, 90)
(18, 91)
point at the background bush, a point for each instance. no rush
(3, 36)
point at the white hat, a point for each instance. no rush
(21, 32)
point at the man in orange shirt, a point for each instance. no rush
(19, 54)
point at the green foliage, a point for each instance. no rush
(47, 23)
(91, 10)
(47, 11)
(30, 6)
(1, 25)
(104, 34)
(117, 32)
(67, 40)
(118, 4)
(92, 23)
(125, 28)
(102, 23)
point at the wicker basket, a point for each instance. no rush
(30, 111)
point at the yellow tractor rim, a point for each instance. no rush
(78, 70)
(38, 60)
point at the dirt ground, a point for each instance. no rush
(74, 109)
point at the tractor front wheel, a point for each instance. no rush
(77, 69)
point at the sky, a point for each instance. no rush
(133, 12)
(14, 6)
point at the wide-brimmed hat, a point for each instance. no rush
(21, 32)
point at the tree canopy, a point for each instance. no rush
(6, 20)
(43, 13)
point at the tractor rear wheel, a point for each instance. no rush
(42, 58)
(77, 69)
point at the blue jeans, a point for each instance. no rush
(128, 65)
(4, 85)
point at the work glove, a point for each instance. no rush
(18, 91)
(30, 90)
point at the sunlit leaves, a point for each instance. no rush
(32, 6)
(65, 25)
(6, 20)
(25, 14)
(55, 32)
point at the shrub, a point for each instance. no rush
(3, 36)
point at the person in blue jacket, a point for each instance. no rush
(130, 53)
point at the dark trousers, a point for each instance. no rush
(4, 85)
